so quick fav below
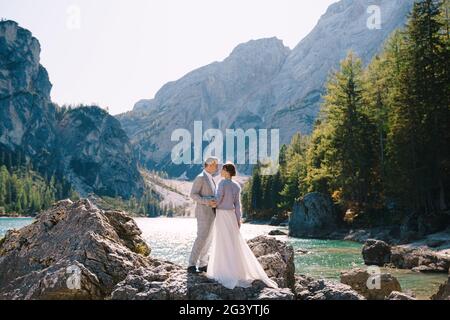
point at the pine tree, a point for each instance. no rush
(256, 190)
(347, 153)
(419, 126)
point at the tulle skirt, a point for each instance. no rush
(232, 262)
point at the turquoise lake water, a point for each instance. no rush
(172, 239)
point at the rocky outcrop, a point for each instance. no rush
(313, 216)
(71, 251)
(85, 145)
(262, 84)
(376, 253)
(164, 280)
(277, 258)
(377, 287)
(307, 288)
(419, 259)
(444, 291)
(77, 251)
(27, 117)
(388, 234)
(96, 153)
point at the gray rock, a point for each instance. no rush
(376, 253)
(420, 260)
(313, 216)
(277, 259)
(262, 84)
(444, 291)
(277, 233)
(166, 281)
(358, 280)
(387, 234)
(38, 261)
(307, 288)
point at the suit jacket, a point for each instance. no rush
(202, 192)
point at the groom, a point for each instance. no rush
(203, 193)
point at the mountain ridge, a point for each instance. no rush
(54, 139)
(287, 95)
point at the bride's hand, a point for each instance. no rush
(239, 223)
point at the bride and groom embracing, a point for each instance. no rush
(218, 211)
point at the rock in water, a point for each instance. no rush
(307, 288)
(376, 253)
(419, 259)
(313, 216)
(164, 280)
(277, 259)
(68, 242)
(277, 233)
(358, 280)
(444, 291)
(77, 251)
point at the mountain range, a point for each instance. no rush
(86, 146)
(262, 84)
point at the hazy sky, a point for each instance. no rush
(116, 52)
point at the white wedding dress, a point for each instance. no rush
(231, 262)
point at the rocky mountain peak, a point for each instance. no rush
(20, 68)
(262, 84)
(85, 145)
(260, 48)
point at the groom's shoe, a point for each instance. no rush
(203, 269)
(192, 270)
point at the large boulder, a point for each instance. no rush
(277, 259)
(420, 259)
(376, 253)
(307, 288)
(71, 251)
(359, 280)
(313, 216)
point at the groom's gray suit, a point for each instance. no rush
(201, 193)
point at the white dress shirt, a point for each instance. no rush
(211, 181)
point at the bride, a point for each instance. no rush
(232, 263)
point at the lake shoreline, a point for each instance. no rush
(325, 258)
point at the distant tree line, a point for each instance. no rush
(24, 191)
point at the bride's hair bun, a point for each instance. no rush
(230, 168)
